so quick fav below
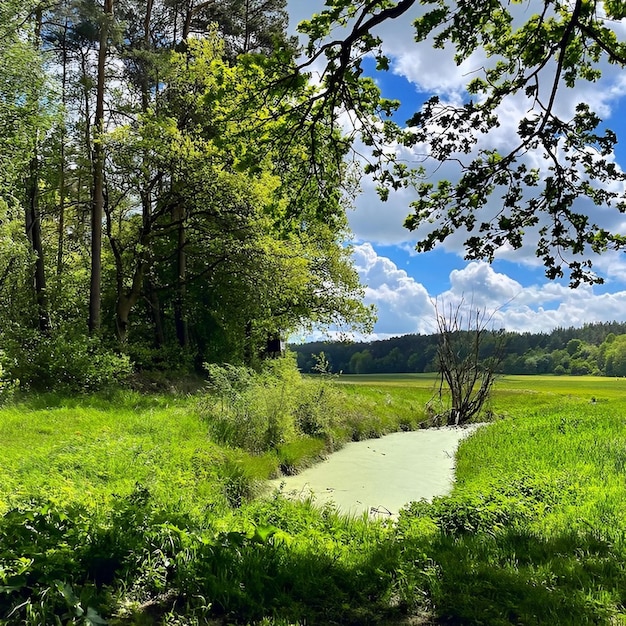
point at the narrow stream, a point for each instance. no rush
(380, 476)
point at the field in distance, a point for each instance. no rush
(570, 385)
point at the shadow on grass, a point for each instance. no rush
(299, 566)
(517, 577)
(248, 581)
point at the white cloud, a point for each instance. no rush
(405, 306)
(378, 221)
(538, 308)
(483, 284)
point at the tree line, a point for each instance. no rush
(168, 193)
(597, 349)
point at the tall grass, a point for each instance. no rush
(534, 531)
(140, 510)
(87, 452)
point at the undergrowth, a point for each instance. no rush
(135, 510)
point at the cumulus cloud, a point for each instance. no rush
(405, 306)
(484, 284)
(537, 308)
(435, 71)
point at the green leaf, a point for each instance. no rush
(262, 534)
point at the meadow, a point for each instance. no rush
(133, 509)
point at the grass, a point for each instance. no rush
(381, 403)
(88, 452)
(534, 531)
(138, 510)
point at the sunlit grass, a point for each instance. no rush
(532, 533)
(93, 451)
(534, 530)
(414, 381)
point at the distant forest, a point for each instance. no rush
(598, 349)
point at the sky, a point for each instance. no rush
(404, 284)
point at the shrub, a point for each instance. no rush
(247, 410)
(64, 360)
(260, 411)
(167, 359)
(8, 385)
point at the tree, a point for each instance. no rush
(573, 346)
(246, 26)
(615, 357)
(361, 362)
(162, 185)
(262, 242)
(466, 376)
(24, 121)
(98, 199)
(530, 55)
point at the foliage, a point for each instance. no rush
(614, 356)
(66, 361)
(546, 200)
(218, 227)
(269, 410)
(250, 412)
(256, 241)
(300, 418)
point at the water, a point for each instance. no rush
(380, 476)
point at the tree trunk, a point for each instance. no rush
(122, 310)
(246, 37)
(33, 224)
(125, 303)
(33, 231)
(62, 190)
(155, 313)
(180, 321)
(97, 212)
(146, 194)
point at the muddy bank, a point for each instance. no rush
(380, 476)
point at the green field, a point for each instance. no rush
(566, 385)
(136, 509)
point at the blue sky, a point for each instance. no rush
(404, 284)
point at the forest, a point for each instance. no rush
(598, 349)
(167, 195)
(174, 184)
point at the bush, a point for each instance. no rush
(245, 409)
(60, 564)
(261, 411)
(41, 564)
(168, 359)
(63, 361)
(8, 385)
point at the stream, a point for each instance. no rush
(380, 476)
